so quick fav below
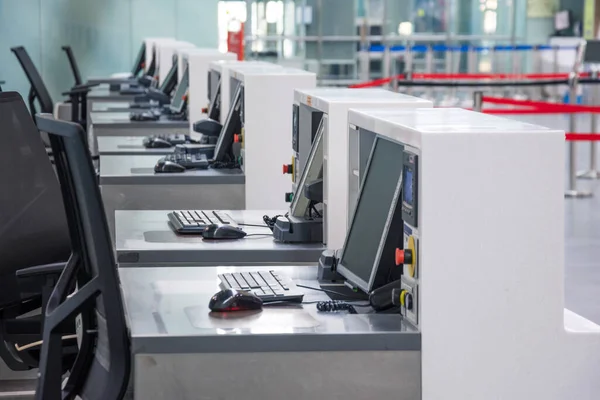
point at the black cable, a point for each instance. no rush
(270, 221)
(331, 292)
(344, 301)
(496, 83)
(255, 225)
(312, 205)
(260, 234)
(334, 306)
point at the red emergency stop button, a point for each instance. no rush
(403, 257)
(288, 168)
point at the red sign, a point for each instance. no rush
(235, 42)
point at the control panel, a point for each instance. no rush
(408, 256)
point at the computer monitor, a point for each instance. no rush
(139, 64)
(214, 111)
(376, 207)
(170, 81)
(313, 171)
(562, 20)
(179, 98)
(233, 125)
(151, 71)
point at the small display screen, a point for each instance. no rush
(408, 186)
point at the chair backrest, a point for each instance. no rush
(35, 80)
(102, 368)
(73, 64)
(33, 225)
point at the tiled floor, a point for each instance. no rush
(582, 231)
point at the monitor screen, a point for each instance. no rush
(178, 101)
(140, 61)
(311, 172)
(377, 201)
(151, 71)
(562, 20)
(232, 125)
(407, 188)
(170, 81)
(214, 112)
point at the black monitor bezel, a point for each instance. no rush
(140, 60)
(232, 124)
(352, 278)
(175, 107)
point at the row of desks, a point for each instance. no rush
(180, 349)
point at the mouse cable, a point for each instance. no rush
(259, 234)
(270, 221)
(256, 225)
(331, 292)
(318, 303)
(314, 209)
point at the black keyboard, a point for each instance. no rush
(268, 285)
(194, 222)
(189, 161)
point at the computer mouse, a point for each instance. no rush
(158, 143)
(171, 166)
(233, 300)
(220, 232)
(144, 116)
(162, 165)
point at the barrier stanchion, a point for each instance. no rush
(478, 101)
(408, 63)
(429, 57)
(555, 70)
(572, 191)
(593, 172)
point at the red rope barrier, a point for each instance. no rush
(494, 76)
(542, 106)
(375, 83)
(522, 111)
(582, 137)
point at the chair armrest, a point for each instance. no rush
(41, 270)
(35, 281)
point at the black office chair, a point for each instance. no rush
(38, 90)
(102, 368)
(73, 64)
(34, 237)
